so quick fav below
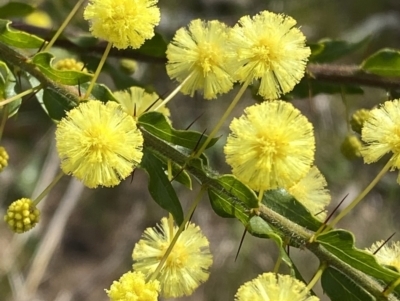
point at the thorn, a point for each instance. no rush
(241, 242)
(334, 210)
(177, 175)
(198, 141)
(384, 243)
(32, 95)
(152, 105)
(197, 118)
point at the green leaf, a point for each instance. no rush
(285, 204)
(160, 187)
(243, 193)
(339, 287)
(100, 92)
(15, 10)
(9, 87)
(156, 123)
(56, 104)
(223, 205)
(385, 62)
(18, 38)
(156, 47)
(260, 228)
(328, 50)
(43, 60)
(178, 173)
(341, 244)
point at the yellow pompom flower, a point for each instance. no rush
(270, 48)
(124, 23)
(69, 64)
(311, 192)
(186, 266)
(272, 145)
(22, 215)
(381, 133)
(99, 143)
(3, 158)
(137, 99)
(274, 287)
(201, 52)
(387, 255)
(132, 286)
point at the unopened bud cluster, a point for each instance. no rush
(22, 215)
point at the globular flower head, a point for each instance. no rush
(135, 101)
(381, 133)
(186, 266)
(99, 143)
(357, 120)
(311, 192)
(132, 286)
(201, 52)
(270, 48)
(351, 147)
(3, 158)
(22, 215)
(70, 64)
(274, 287)
(124, 23)
(387, 254)
(271, 146)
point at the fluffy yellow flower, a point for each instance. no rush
(270, 48)
(22, 215)
(186, 266)
(39, 18)
(271, 146)
(132, 286)
(201, 52)
(99, 143)
(388, 254)
(274, 287)
(311, 192)
(138, 99)
(381, 133)
(124, 23)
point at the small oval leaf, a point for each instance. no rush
(339, 287)
(43, 60)
(385, 62)
(157, 124)
(18, 38)
(341, 244)
(160, 187)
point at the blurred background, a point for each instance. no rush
(85, 238)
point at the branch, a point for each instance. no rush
(350, 74)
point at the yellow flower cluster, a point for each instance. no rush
(210, 56)
(70, 64)
(124, 23)
(99, 143)
(274, 287)
(185, 268)
(133, 286)
(271, 146)
(135, 101)
(22, 215)
(3, 158)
